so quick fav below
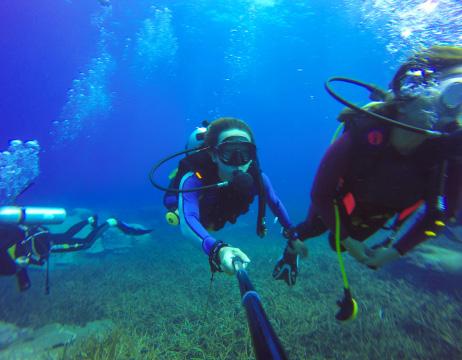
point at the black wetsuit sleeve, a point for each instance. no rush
(312, 226)
(431, 222)
(332, 169)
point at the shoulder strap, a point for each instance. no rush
(366, 130)
(198, 162)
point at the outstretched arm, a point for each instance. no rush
(332, 169)
(188, 209)
(275, 204)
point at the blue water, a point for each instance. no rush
(108, 91)
(264, 64)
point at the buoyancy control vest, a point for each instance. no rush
(220, 205)
(378, 173)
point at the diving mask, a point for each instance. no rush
(236, 151)
(416, 81)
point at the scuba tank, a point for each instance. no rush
(31, 215)
(195, 141)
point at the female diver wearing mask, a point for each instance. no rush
(227, 165)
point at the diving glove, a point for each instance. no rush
(287, 267)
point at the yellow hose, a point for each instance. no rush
(337, 246)
(337, 132)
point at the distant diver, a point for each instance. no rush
(28, 242)
(396, 154)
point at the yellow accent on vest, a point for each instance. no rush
(198, 174)
(12, 251)
(172, 218)
(439, 223)
(430, 233)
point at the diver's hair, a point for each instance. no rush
(436, 58)
(216, 127)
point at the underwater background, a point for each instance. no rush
(107, 91)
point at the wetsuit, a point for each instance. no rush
(373, 182)
(211, 209)
(34, 244)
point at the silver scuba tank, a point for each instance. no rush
(31, 215)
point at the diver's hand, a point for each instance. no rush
(227, 255)
(287, 267)
(381, 256)
(290, 233)
(357, 249)
(294, 245)
(298, 247)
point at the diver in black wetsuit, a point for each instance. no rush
(22, 245)
(378, 170)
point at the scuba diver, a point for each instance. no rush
(215, 184)
(25, 241)
(397, 153)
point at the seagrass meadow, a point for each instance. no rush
(157, 296)
(95, 93)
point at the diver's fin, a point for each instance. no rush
(130, 230)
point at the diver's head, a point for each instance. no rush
(232, 146)
(428, 94)
(431, 80)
